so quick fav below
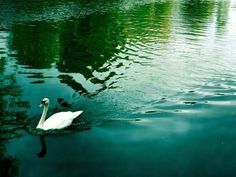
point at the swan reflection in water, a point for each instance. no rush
(43, 151)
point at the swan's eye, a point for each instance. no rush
(43, 102)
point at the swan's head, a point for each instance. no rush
(44, 102)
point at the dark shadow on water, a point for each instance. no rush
(43, 151)
(9, 166)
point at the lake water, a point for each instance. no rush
(155, 78)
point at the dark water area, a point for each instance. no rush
(156, 81)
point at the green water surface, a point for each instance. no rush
(156, 80)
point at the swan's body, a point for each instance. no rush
(56, 121)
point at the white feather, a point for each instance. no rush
(60, 120)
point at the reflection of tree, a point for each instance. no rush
(36, 44)
(196, 13)
(12, 111)
(152, 22)
(222, 14)
(88, 43)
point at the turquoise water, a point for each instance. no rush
(156, 81)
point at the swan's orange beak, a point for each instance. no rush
(40, 105)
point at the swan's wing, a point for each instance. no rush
(60, 120)
(76, 113)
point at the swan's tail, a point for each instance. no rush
(77, 113)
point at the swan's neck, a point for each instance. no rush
(43, 117)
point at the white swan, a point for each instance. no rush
(56, 121)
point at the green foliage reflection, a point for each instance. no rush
(36, 44)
